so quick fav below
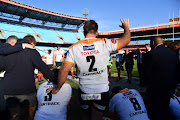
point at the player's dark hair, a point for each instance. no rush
(90, 27)
(30, 39)
(116, 90)
(56, 73)
(49, 51)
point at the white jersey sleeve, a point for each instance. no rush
(70, 57)
(112, 44)
(52, 106)
(129, 105)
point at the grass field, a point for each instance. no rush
(134, 72)
(114, 70)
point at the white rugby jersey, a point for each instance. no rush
(59, 55)
(49, 58)
(91, 57)
(129, 105)
(52, 106)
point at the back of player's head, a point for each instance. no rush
(116, 90)
(12, 39)
(90, 27)
(49, 51)
(56, 73)
(30, 39)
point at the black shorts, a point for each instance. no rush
(109, 67)
(26, 101)
(102, 103)
(129, 67)
(118, 65)
(59, 64)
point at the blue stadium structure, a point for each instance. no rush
(140, 36)
(13, 21)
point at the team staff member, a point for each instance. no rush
(127, 104)
(91, 57)
(58, 57)
(160, 74)
(19, 76)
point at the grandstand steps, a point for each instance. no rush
(60, 37)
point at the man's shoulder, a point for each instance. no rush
(87, 41)
(31, 50)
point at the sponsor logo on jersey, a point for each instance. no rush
(48, 86)
(127, 93)
(137, 113)
(49, 103)
(113, 41)
(130, 96)
(93, 73)
(91, 47)
(90, 52)
(91, 96)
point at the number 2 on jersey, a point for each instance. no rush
(92, 60)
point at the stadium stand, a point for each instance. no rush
(140, 36)
(41, 34)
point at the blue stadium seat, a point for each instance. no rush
(16, 29)
(143, 41)
(67, 35)
(47, 34)
(133, 42)
(80, 35)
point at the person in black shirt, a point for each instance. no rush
(129, 62)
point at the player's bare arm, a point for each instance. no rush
(63, 73)
(54, 57)
(124, 41)
(26, 45)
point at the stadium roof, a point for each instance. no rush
(27, 11)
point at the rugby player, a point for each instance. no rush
(49, 58)
(58, 57)
(109, 67)
(91, 57)
(119, 62)
(52, 106)
(127, 104)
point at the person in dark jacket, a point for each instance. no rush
(160, 75)
(129, 62)
(19, 76)
(7, 48)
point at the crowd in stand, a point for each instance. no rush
(158, 67)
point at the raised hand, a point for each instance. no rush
(125, 23)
